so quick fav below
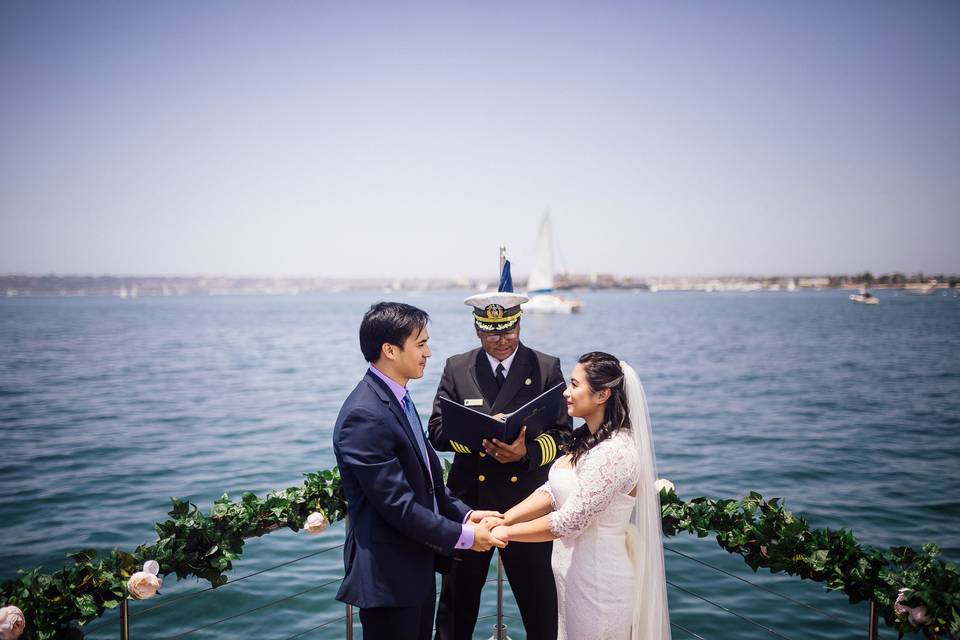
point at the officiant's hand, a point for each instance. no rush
(504, 453)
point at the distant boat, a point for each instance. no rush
(864, 297)
(540, 283)
(916, 289)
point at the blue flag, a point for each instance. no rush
(506, 281)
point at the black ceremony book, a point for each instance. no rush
(468, 427)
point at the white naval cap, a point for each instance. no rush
(496, 310)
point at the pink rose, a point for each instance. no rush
(12, 623)
(918, 616)
(316, 523)
(899, 607)
(144, 584)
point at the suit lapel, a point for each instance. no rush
(386, 395)
(519, 371)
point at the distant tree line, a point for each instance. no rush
(895, 279)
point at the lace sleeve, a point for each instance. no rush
(606, 470)
(545, 487)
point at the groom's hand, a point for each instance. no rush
(483, 539)
(504, 453)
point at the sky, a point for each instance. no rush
(356, 139)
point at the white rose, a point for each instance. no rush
(663, 483)
(316, 523)
(143, 585)
(11, 623)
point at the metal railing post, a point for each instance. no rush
(499, 596)
(872, 627)
(125, 620)
(346, 532)
(500, 629)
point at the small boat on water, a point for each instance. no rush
(864, 297)
(540, 283)
(920, 289)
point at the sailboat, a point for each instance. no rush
(540, 283)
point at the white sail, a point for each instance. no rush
(541, 276)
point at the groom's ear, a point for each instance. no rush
(388, 351)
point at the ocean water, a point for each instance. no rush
(108, 407)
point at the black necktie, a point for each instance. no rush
(499, 375)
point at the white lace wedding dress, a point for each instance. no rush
(595, 575)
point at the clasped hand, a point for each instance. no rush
(483, 522)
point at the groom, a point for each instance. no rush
(402, 517)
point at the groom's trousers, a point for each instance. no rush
(527, 566)
(398, 623)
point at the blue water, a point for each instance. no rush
(110, 406)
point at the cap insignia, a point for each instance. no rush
(494, 311)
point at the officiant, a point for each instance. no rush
(499, 376)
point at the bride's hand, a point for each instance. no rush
(502, 533)
(477, 515)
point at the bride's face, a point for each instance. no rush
(582, 401)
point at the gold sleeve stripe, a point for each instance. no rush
(459, 448)
(548, 448)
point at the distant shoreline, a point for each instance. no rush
(24, 285)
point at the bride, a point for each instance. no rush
(601, 507)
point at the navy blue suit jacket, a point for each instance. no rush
(394, 535)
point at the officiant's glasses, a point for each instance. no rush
(496, 336)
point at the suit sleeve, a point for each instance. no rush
(372, 459)
(455, 509)
(435, 425)
(546, 447)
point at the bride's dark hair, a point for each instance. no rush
(603, 372)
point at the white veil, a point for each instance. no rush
(651, 617)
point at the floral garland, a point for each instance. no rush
(43, 606)
(914, 591)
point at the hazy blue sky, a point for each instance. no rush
(411, 139)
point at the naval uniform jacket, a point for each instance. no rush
(476, 478)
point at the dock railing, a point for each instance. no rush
(499, 630)
(762, 533)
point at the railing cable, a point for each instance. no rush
(192, 594)
(321, 626)
(835, 616)
(231, 582)
(687, 631)
(248, 611)
(730, 611)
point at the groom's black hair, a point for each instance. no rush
(389, 323)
